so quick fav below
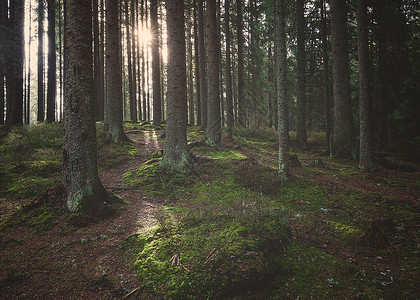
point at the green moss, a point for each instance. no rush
(316, 274)
(40, 219)
(217, 253)
(349, 233)
(213, 212)
(31, 159)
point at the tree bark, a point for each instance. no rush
(129, 61)
(147, 68)
(281, 65)
(301, 82)
(270, 92)
(52, 65)
(27, 104)
(113, 118)
(229, 97)
(365, 158)
(343, 136)
(197, 66)
(134, 62)
(213, 129)
(60, 67)
(16, 84)
(96, 63)
(139, 54)
(41, 95)
(326, 75)
(143, 64)
(80, 169)
(102, 61)
(385, 20)
(155, 63)
(3, 24)
(241, 62)
(176, 157)
(203, 74)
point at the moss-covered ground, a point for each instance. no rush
(227, 229)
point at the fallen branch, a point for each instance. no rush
(211, 255)
(175, 259)
(211, 252)
(175, 262)
(130, 293)
(185, 268)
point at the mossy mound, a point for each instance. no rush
(193, 255)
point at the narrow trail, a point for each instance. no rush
(138, 216)
(88, 263)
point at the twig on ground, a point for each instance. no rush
(131, 293)
(210, 255)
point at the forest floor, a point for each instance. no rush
(210, 233)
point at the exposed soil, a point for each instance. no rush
(84, 263)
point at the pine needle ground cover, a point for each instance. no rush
(227, 229)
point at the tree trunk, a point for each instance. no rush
(276, 102)
(80, 169)
(203, 74)
(96, 63)
(3, 24)
(270, 92)
(102, 61)
(301, 82)
(134, 62)
(281, 65)
(143, 64)
(122, 47)
(241, 62)
(213, 129)
(176, 157)
(155, 63)
(139, 111)
(365, 158)
(147, 68)
(52, 65)
(27, 111)
(190, 75)
(384, 15)
(326, 75)
(229, 98)
(197, 66)
(60, 46)
(16, 91)
(343, 137)
(162, 67)
(129, 61)
(219, 50)
(41, 95)
(113, 118)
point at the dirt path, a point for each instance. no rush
(87, 263)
